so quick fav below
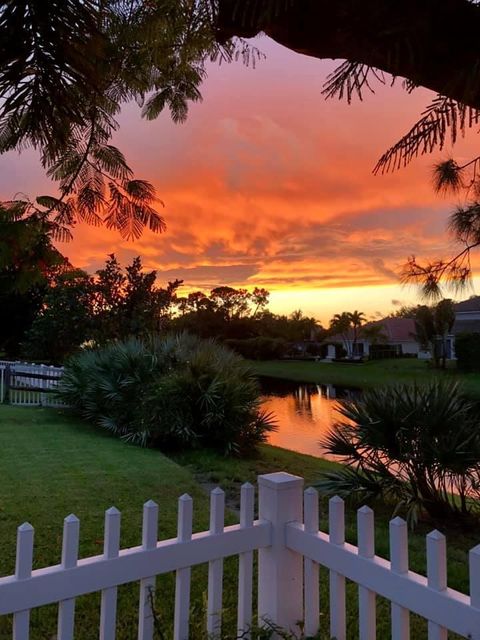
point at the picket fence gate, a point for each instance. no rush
(290, 549)
(29, 385)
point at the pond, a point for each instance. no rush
(304, 412)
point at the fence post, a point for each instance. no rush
(280, 575)
(7, 383)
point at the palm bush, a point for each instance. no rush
(417, 445)
(178, 391)
(211, 399)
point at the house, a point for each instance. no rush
(390, 337)
(467, 316)
(467, 320)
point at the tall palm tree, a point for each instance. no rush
(357, 318)
(341, 324)
(444, 318)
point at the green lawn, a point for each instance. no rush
(53, 464)
(366, 375)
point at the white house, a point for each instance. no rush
(395, 336)
(467, 316)
(467, 320)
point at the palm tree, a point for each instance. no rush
(444, 318)
(357, 318)
(341, 324)
(432, 325)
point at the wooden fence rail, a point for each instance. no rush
(290, 550)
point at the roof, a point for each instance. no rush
(395, 330)
(472, 304)
(398, 329)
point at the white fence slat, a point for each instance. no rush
(183, 576)
(215, 567)
(111, 546)
(367, 622)
(336, 517)
(399, 564)
(437, 576)
(66, 608)
(474, 572)
(23, 570)
(147, 585)
(311, 579)
(245, 564)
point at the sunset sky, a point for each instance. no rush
(269, 185)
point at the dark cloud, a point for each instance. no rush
(380, 266)
(206, 276)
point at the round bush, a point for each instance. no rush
(173, 392)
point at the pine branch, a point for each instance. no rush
(444, 118)
(455, 272)
(349, 80)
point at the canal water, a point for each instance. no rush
(304, 413)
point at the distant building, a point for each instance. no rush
(389, 337)
(467, 320)
(467, 316)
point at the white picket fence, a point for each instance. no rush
(290, 551)
(33, 384)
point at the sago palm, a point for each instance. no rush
(418, 445)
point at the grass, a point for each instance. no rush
(53, 464)
(366, 375)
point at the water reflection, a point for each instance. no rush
(304, 413)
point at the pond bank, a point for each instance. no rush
(368, 375)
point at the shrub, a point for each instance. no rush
(417, 445)
(467, 350)
(315, 349)
(173, 392)
(260, 348)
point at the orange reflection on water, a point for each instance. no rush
(303, 417)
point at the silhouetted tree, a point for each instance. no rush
(357, 318)
(129, 302)
(341, 324)
(432, 326)
(65, 320)
(28, 263)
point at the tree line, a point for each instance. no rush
(50, 308)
